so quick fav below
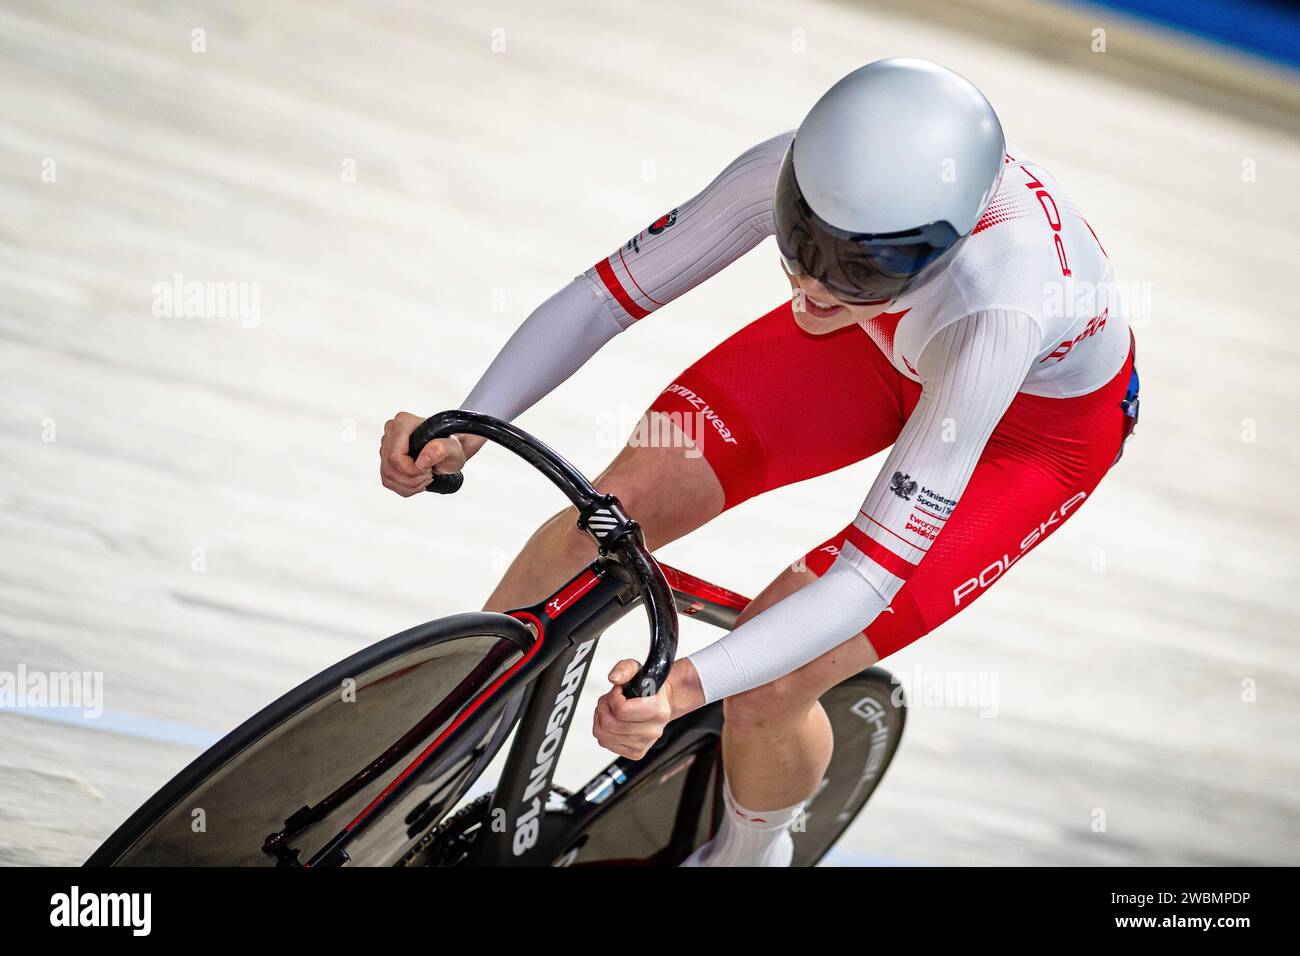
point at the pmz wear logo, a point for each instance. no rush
(666, 221)
(529, 824)
(1003, 564)
(902, 485)
(76, 908)
(706, 411)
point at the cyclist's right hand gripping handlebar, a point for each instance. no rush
(629, 547)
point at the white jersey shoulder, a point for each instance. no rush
(694, 240)
(1031, 252)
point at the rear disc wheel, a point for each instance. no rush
(867, 713)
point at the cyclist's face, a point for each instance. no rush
(817, 311)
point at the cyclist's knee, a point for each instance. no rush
(667, 494)
(635, 495)
(666, 501)
(576, 546)
(770, 704)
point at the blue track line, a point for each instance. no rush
(124, 724)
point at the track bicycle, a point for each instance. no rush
(368, 762)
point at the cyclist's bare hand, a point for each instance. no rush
(630, 726)
(407, 476)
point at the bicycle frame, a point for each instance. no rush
(566, 627)
(569, 624)
(527, 683)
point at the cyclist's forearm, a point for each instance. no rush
(685, 693)
(791, 633)
(554, 341)
(672, 255)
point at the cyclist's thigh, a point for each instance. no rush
(1044, 460)
(772, 404)
(768, 406)
(668, 490)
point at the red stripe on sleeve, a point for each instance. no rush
(877, 552)
(623, 260)
(617, 291)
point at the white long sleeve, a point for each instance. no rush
(555, 341)
(668, 258)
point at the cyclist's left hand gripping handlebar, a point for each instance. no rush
(648, 578)
(441, 484)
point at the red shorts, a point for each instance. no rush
(785, 405)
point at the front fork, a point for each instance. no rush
(573, 619)
(518, 806)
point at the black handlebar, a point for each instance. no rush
(629, 547)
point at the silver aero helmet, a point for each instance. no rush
(887, 174)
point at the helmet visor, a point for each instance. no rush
(855, 267)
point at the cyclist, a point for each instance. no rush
(948, 300)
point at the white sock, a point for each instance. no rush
(748, 837)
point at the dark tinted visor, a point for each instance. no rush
(856, 267)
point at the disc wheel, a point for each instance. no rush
(867, 713)
(372, 752)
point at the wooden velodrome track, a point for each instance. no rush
(190, 506)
